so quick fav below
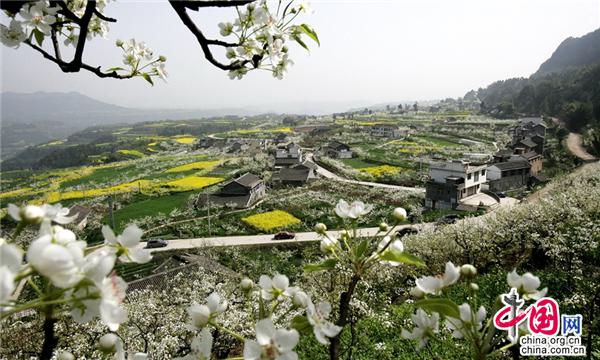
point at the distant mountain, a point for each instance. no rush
(573, 53)
(567, 86)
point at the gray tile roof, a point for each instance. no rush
(512, 165)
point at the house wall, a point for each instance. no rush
(493, 173)
(509, 182)
(478, 174)
(536, 166)
(441, 196)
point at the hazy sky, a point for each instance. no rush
(371, 51)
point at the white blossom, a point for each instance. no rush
(225, 29)
(317, 317)
(112, 312)
(275, 287)
(527, 284)
(10, 264)
(352, 211)
(425, 327)
(37, 17)
(127, 245)
(271, 343)
(434, 284)
(13, 35)
(460, 326)
(58, 256)
(202, 314)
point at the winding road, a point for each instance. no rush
(574, 143)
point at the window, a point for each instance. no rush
(468, 176)
(482, 172)
(477, 176)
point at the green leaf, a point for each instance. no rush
(116, 68)
(362, 248)
(445, 307)
(299, 41)
(301, 324)
(39, 36)
(325, 265)
(310, 32)
(402, 257)
(148, 78)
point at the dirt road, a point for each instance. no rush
(574, 143)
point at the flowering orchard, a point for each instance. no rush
(257, 38)
(81, 281)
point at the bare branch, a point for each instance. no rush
(64, 65)
(195, 5)
(103, 17)
(180, 8)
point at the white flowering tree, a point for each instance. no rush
(256, 39)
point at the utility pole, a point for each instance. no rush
(110, 212)
(208, 201)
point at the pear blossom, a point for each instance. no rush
(352, 211)
(434, 284)
(202, 345)
(127, 245)
(13, 34)
(425, 327)
(395, 246)
(31, 214)
(459, 326)
(271, 343)
(97, 27)
(202, 314)
(36, 18)
(161, 71)
(225, 29)
(299, 298)
(317, 317)
(10, 263)
(112, 344)
(58, 256)
(238, 73)
(275, 287)
(56, 213)
(527, 285)
(112, 312)
(246, 284)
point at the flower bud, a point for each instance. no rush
(246, 284)
(344, 234)
(162, 58)
(327, 245)
(108, 343)
(474, 287)
(468, 270)
(400, 214)
(65, 355)
(383, 227)
(300, 299)
(320, 228)
(119, 42)
(416, 292)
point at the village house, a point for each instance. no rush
(297, 175)
(388, 131)
(241, 192)
(451, 182)
(288, 155)
(210, 142)
(534, 159)
(508, 175)
(337, 150)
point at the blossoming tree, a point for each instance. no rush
(259, 35)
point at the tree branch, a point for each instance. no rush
(95, 70)
(195, 5)
(180, 8)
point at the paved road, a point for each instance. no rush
(575, 146)
(332, 176)
(249, 240)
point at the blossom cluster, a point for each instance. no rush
(38, 20)
(271, 296)
(80, 277)
(261, 35)
(465, 321)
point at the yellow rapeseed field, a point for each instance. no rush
(138, 185)
(185, 140)
(271, 220)
(382, 170)
(15, 193)
(191, 183)
(198, 165)
(131, 152)
(257, 131)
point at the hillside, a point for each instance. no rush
(573, 53)
(566, 86)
